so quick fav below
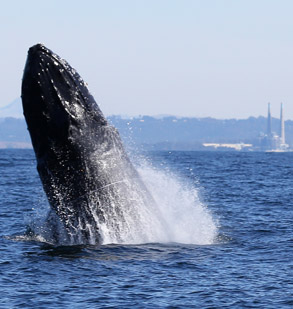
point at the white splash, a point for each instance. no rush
(177, 216)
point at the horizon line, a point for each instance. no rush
(162, 116)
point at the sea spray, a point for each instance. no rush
(187, 218)
(176, 214)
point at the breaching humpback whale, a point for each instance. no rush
(86, 174)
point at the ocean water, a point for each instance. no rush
(230, 245)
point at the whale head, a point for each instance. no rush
(67, 128)
(55, 99)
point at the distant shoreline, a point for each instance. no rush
(170, 133)
(15, 145)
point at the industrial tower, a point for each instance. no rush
(271, 141)
(282, 127)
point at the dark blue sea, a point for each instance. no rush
(233, 250)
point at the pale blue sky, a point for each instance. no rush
(218, 58)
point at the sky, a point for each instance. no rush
(195, 58)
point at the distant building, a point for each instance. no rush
(227, 146)
(272, 141)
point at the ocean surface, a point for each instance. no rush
(231, 245)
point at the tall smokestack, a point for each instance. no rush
(282, 126)
(269, 127)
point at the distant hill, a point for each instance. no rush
(14, 109)
(13, 133)
(190, 133)
(165, 133)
